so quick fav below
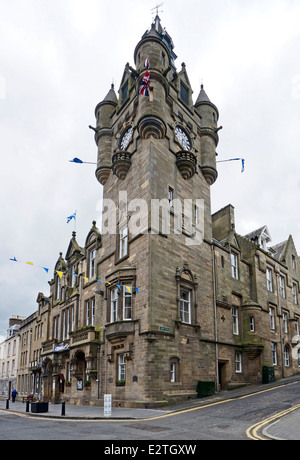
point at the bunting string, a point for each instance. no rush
(60, 274)
(235, 159)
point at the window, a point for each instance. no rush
(293, 261)
(73, 277)
(269, 280)
(171, 196)
(286, 354)
(238, 362)
(124, 91)
(87, 312)
(282, 286)
(67, 322)
(285, 323)
(69, 371)
(252, 324)
(235, 321)
(121, 367)
(185, 306)
(92, 262)
(90, 312)
(114, 305)
(274, 353)
(272, 318)
(294, 292)
(297, 326)
(173, 372)
(55, 327)
(123, 250)
(127, 302)
(184, 93)
(234, 266)
(58, 288)
(174, 369)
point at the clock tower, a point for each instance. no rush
(156, 163)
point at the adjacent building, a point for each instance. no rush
(9, 349)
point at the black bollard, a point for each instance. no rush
(7, 404)
(27, 406)
(63, 408)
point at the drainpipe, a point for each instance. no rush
(280, 318)
(215, 314)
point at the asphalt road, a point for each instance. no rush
(239, 418)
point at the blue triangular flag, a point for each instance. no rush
(76, 160)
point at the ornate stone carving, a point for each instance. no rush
(121, 163)
(186, 163)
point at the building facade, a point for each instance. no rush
(166, 294)
(9, 349)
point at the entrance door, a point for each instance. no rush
(222, 367)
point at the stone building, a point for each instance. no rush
(9, 357)
(32, 332)
(166, 294)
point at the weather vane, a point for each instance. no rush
(157, 9)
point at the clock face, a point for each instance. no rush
(126, 139)
(182, 138)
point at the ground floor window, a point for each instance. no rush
(238, 362)
(286, 356)
(121, 367)
(274, 354)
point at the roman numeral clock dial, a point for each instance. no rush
(126, 138)
(182, 138)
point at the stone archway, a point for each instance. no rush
(79, 367)
(47, 379)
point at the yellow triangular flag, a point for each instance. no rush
(85, 278)
(60, 274)
(128, 289)
(29, 263)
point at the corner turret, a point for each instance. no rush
(103, 136)
(209, 116)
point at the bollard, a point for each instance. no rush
(27, 406)
(7, 404)
(63, 408)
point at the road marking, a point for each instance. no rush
(171, 414)
(252, 431)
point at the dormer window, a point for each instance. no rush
(124, 91)
(184, 93)
(92, 262)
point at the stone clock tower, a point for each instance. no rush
(156, 163)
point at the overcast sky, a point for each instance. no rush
(58, 59)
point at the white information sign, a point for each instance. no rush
(107, 405)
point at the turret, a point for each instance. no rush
(157, 46)
(209, 116)
(103, 136)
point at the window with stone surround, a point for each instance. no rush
(174, 369)
(235, 320)
(186, 296)
(120, 302)
(238, 362)
(269, 277)
(234, 265)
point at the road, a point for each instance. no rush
(241, 418)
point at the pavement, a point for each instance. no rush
(286, 427)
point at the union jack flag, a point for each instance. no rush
(144, 89)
